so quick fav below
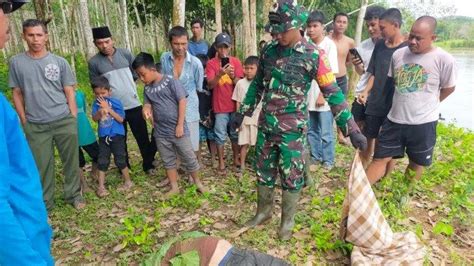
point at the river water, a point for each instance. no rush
(458, 108)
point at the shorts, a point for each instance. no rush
(206, 134)
(222, 128)
(417, 141)
(372, 126)
(112, 145)
(342, 83)
(358, 111)
(172, 147)
(248, 135)
(194, 134)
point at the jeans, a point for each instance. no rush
(222, 128)
(321, 137)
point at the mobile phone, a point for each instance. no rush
(224, 61)
(355, 53)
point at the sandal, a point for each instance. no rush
(126, 186)
(102, 192)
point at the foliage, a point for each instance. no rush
(137, 230)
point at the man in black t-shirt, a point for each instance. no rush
(206, 121)
(378, 94)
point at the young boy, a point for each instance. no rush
(248, 130)
(109, 113)
(320, 130)
(206, 123)
(165, 106)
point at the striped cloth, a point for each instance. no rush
(364, 226)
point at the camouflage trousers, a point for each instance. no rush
(282, 154)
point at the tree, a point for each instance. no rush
(253, 27)
(360, 21)
(86, 27)
(178, 12)
(246, 27)
(123, 11)
(217, 6)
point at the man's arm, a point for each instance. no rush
(71, 99)
(19, 103)
(181, 115)
(445, 92)
(362, 98)
(199, 76)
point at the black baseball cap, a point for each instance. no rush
(8, 6)
(223, 38)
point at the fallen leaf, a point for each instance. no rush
(118, 247)
(75, 249)
(239, 232)
(219, 226)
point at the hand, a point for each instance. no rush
(179, 131)
(362, 98)
(320, 101)
(236, 121)
(358, 140)
(230, 70)
(103, 102)
(23, 120)
(103, 112)
(147, 114)
(356, 61)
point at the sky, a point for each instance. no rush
(464, 7)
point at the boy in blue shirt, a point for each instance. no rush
(109, 113)
(165, 105)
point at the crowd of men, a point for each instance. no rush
(284, 102)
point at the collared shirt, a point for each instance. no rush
(198, 47)
(283, 80)
(191, 78)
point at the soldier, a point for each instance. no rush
(287, 67)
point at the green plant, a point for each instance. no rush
(136, 230)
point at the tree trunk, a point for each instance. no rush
(140, 26)
(105, 13)
(360, 21)
(65, 27)
(179, 7)
(246, 28)
(253, 27)
(86, 29)
(123, 7)
(217, 7)
(266, 9)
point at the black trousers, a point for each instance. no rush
(111, 145)
(147, 145)
(92, 150)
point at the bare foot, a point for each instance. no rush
(126, 186)
(201, 188)
(172, 192)
(85, 188)
(344, 141)
(102, 192)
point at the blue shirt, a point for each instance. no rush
(199, 47)
(191, 78)
(25, 235)
(108, 126)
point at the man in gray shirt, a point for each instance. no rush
(43, 94)
(115, 65)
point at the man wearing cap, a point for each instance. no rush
(115, 65)
(25, 233)
(283, 80)
(223, 72)
(43, 94)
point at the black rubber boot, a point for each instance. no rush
(264, 206)
(288, 210)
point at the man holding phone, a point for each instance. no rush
(223, 71)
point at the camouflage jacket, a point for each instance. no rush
(282, 82)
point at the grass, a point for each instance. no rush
(128, 228)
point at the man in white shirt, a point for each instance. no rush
(423, 76)
(320, 131)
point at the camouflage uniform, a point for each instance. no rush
(283, 80)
